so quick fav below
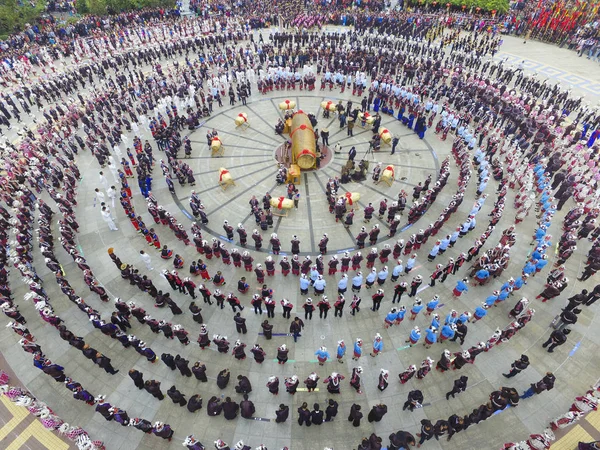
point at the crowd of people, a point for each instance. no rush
(504, 124)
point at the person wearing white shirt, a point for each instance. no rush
(118, 151)
(108, 219)
(114, 170)
(112, 194)
(103, 181)
(98, 197)
(145, 257)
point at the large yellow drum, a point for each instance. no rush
(282, 203)
(352, 199)
(241, 119)
(366, 117)
(216, 147)
(388, 175)
(328, 105)
(287, 104)
(225, 178)
(385, 135)
(303, 142)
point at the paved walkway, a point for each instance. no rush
(20, 430)
(586, 430)
(560, 64)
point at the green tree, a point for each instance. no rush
(501, 6)
(13, 16)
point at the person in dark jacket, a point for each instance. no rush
(282, 354)
(196, 313)
(104, 409)
(567, 317)
(296, 327)
(230, 409)
(304, 415)
(273, 385)
(89, 352)
(195, 403)
(120, 416)
(222, 343)
(440, 428)
(498, 401)
(55, 371)
(137, 377)
(169, 360)
(364, 444)
(482, 413)
(455, 424)
(223, 378)
(183, 366)
(355, 415)
(377, 412)
(176, 396)
(282, 413)
(316, 415)
(153, 387)
(331, 410)
(104, 363)
(258, 353)
(374, 442)
(426, 432)
(511, 395)
(401, 440)
(199, 371)
(545, 384)
(558, 337)
(516, 367)
(244, 386)
(459, 386)
(247, 408)
(240, 323)
(77, 342)
(576, 300)
(163, 430)
(414, 400)
(593, 296)
(460, 333)
(214, 406)
(267, 330)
